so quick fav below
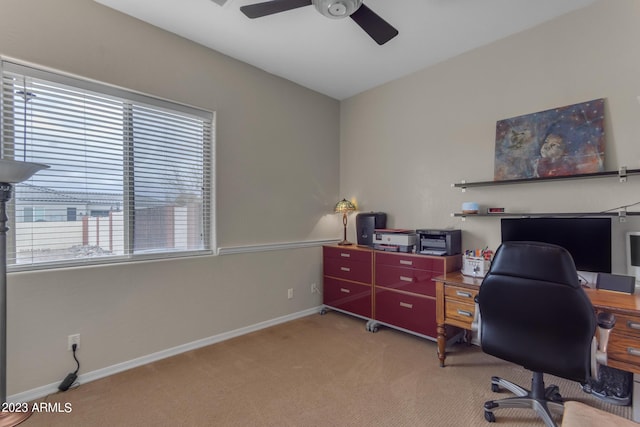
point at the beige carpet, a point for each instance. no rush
(315, 371)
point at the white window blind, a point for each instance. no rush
(130, 176)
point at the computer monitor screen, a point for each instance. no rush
(588, 240)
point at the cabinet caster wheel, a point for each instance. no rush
(372, 327)
(489, 416)
(495, 388)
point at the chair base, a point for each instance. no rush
(540, 399)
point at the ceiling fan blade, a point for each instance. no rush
(257, 10)
(379, 29)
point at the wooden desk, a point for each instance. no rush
(455, 306)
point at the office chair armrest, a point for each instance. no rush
(606, 322)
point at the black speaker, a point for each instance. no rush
(366, 223)
(616, 282)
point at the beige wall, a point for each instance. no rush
(403, 144)
(396, 148)
(277, 160)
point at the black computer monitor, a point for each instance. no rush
(587, 239)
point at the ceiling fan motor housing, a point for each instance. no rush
(337, 9)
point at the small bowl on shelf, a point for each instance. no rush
(470, 208)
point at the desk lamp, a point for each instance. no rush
(344, 207)
(11, 172)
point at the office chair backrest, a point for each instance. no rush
(534, 311)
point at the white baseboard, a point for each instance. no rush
(45, 390)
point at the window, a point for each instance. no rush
(130, 176)
(71, 214)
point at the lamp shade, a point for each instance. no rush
(13, 171)
(344, 206)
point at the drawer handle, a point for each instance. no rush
(345, 290)
(633, 351)
(347, 269)
(465, 313)
(405, 262)
(633, 325)
(406, 305)
(406, 279)
(463, 294)
(345, 255)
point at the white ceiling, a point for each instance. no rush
(336, 57)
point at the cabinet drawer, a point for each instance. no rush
(624, 341)
(463, 295)
(463, 312)
(624, 349)
(628, 326)
(406, 279)
(347, 296)
(410, 261)
(330, 252)
(412, 312)
(359, 271)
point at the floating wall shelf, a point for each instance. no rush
(620, 214)
(621, 173)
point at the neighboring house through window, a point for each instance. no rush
(130, 175)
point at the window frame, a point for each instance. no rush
(129, 97)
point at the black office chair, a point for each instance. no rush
(534, 312)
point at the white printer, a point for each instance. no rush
(394, 239)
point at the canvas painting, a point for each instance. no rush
(558, 142)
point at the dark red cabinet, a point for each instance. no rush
(347, 283)
(405, 294)
(392, 289)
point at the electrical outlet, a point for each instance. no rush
(290, 293)
(314, 288)
(73, 339)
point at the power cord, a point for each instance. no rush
(583, 280)
(73, 376)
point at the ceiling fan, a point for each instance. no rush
(379, 29)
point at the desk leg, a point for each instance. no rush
(442, 344)
(635, 402)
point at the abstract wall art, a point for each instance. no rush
(558, 142)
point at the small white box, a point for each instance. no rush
(475, 266)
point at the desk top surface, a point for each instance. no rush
(618, 301)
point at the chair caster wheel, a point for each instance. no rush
(489, 416)
(556, 397)
(495, 388)
(552, 393)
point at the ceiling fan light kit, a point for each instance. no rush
(376, 27)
